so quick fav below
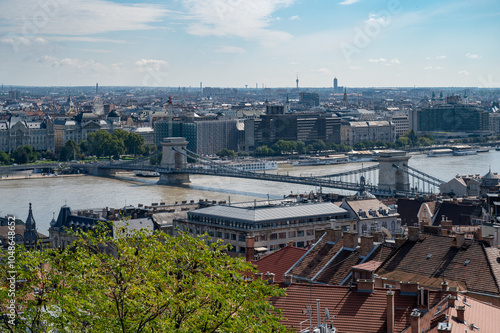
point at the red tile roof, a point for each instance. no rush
(331, 263)
(350, 311)
(280, 261)
(433, 258)
(479, 316)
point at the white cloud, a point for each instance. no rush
(463, 73)
(355, 68)
(348, 2)
(441, 57)
(78, 64)
(377, 61)
(473, 56)
(378, 21)
(239, 18)
(395, 61)
(294, 17)
(324, 71)
(154, 65)
(433, 67)
(230, 49)
(75, 18)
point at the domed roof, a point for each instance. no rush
(53, 222)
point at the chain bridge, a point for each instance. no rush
(392, 176)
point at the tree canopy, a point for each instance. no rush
(150, 283)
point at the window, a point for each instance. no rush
(300, 233)
(310, 232)
(233, 237)
(242, 238)
(292, 234)
(226, 235)
(274, 236)
(219, 234)
(282, 235)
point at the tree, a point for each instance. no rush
(301, 147)
(69, 151)
(4, 157)
(263, 151)
(25, 154)
(151, 283)
(224, 152)
(134, 143)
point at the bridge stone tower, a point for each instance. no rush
(390, 178)
(172, 160)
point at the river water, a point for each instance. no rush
(48, 194)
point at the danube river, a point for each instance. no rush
(48, 194)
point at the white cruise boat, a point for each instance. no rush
(464, 150)
(252, 165)
(440, 152)
(141, 173)
(322, 160)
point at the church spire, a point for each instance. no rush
(30, 233)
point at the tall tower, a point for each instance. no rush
(297, 81)
(30, 234)
(345, 97)
(335, 85)
(96, 88)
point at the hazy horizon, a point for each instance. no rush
(233, 43)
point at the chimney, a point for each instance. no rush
(398, 241)
(287, 279)
(250, 248)
(448, 224)
(378, 236)
(366, 245)
(444, 286)
(413, 234)
(390, 311)
(460, 313)
(415, 321)
(258, 276)
(409, 288)
(459, 239)
(269, 277)
(366, 286)
(451, 301)
(351, 239)
(488, 239)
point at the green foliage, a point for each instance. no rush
(4, 157)
(25, 154)
(226, 153)
(151, 283)
(69, 151)
(156, 160)
(263, 151)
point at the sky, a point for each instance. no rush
(238, 43)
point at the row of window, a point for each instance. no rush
(250, 225)
(257, 238)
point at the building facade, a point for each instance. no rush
(272, 226)
(359, 131)
(307, 127)
(16, 132)
(452, 117)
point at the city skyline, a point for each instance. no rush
(249, 43)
